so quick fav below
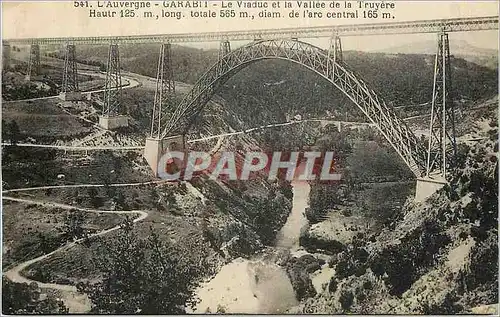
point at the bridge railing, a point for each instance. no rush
(410, 27)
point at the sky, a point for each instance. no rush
(29, 19)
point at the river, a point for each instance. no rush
(255, 286)
(289, 235)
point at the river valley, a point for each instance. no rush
(257, 285)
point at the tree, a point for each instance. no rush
(171, 202)
(73, 224)
(13, 134)
(144, 276)
(120, 201)
(95, 199)
(24, 299)
(4, 130)
(110, 190)
(154, 197)
(321, 200)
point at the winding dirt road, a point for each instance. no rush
(14, 274)
(84, 186)
(130, 83)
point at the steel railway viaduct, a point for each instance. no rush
(429, 162)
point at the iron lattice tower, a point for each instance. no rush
(442, 145)
(70, 79)
(165, 87)
(335, 55)
(34, 61)
(224, 48)
(113, 90)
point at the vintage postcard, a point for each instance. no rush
(249, 157)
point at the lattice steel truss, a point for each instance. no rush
(408, 27)
(165, 87)
(70, 79)
(113, 90)
(442, 145)
(320, 61)
(224, 49)
(335, 55)
(34, 61)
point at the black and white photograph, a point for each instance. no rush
(249, 157)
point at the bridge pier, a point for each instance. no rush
(86, 96)
(224, 48)
(113, 122)
(34, 62)
(335, 54)
(441, 150)
(165, 88)
(427, 186)
(71, 96)
(70, 91)
(110, 118)
(156, 147)
(442, 147)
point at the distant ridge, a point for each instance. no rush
(459, 48)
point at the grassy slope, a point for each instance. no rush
(437, 257)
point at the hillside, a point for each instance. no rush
(401, 79)
(459, 48)
(436, 257)
(189, 63)
(363, 247)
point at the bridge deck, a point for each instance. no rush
(410, 27)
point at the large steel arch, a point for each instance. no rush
(383, 116)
